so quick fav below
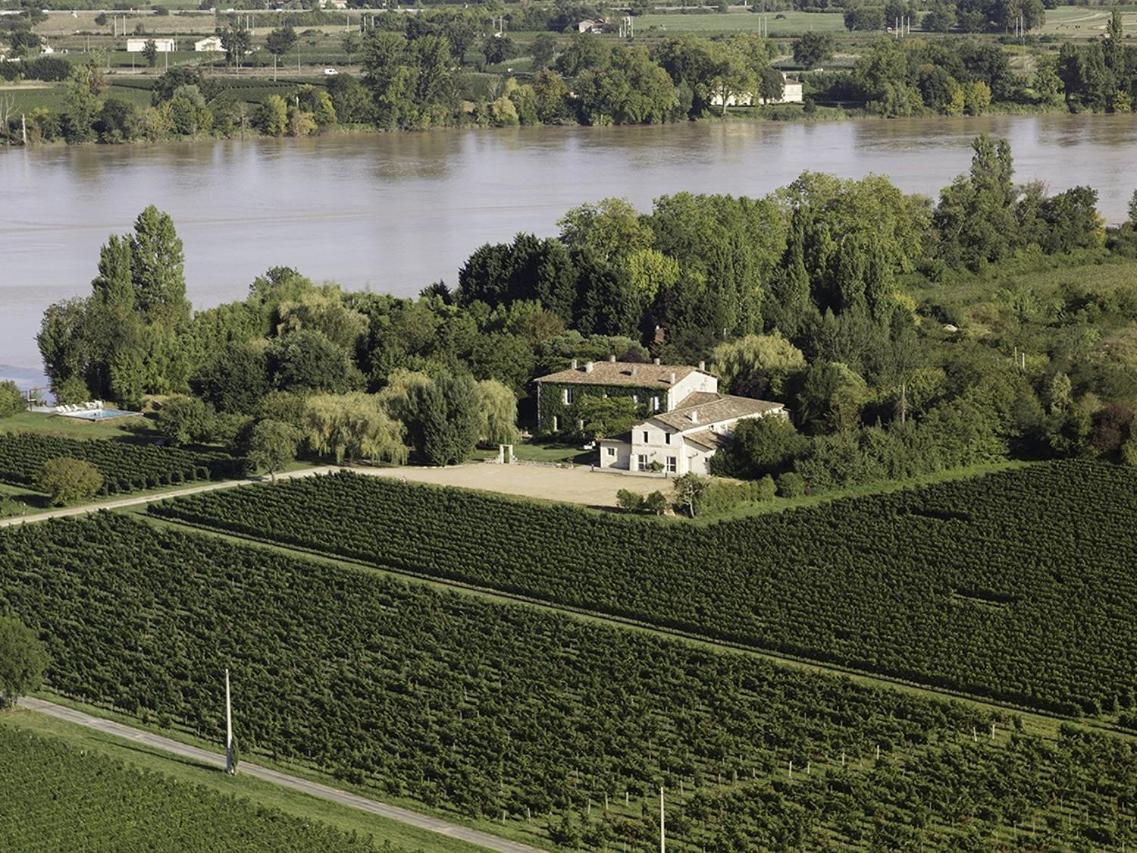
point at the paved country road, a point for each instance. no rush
(315, 789)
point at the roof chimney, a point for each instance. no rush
(673, 377)
(694, 416)
(588, 367)
(612, 358)
(655, 361)
(574, 364)
(702, 365)
(633, 371)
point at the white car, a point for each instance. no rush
(330, 72)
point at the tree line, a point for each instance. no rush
(803, 296)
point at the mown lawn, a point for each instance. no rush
(545, 451)
(73, 427)
(779, 23)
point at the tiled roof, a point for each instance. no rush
(705, 439)
(698, 398)
(625, 373)
(724, 407)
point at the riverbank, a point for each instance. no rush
(781, 113)
(392, 212)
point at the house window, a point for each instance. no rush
(667, 438)
(645, 436)
(566, 396)
(611, 451)
(641, 462)
(672, 464)
(655, 404)
(556, 424)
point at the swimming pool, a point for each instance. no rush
(97, 414)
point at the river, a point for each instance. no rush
(394, 212)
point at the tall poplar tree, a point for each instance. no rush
(157, 268)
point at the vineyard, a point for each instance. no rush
(56, 797)
(1017, 586)
(561, 727)
(125, 467)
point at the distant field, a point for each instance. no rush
(780, 23)
(53, 97)
(84, 22)
(1083, 22)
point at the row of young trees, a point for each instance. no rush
(184, 104)
(918, 76)
(826, 583)
(503, 712)
(411, 79)
(60, 796)
(121, 466)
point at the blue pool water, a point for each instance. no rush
(98, 414)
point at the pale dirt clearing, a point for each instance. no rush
(574, 485)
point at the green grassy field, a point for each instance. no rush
(779, 23)
(16, 501)
(53, 96)
(259, 793)
(73, 427)
(1081, 22)
(545, 451)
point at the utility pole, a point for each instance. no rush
(230, 764)
(662, 832)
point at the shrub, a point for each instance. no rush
(655, 503)
(791, 485)
(629, 501)
(11, 400)
(721, 496)
(49, 68)
(22, 660)
(66, 480)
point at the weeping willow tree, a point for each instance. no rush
(351, 427)
(497, 410)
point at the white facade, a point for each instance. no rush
(137, 45)
(682, 441)
(792, 93)
(694, 382)
(210, 44)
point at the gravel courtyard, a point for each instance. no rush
(575, 485)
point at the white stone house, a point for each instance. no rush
(656, 387)
(137, 45)
(683, 440)
(209, 44)
(687, 422)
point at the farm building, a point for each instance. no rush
(686, 417)
(137, 45)
(791, 94)
(589, 25)
(209, 44)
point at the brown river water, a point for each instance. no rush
(394, 212)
